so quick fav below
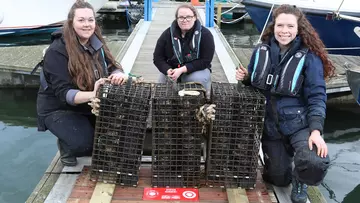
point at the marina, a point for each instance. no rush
(71, 184)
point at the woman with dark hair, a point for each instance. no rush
(75, 65)
(184, 51)
(290, 67)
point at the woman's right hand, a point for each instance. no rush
(241, 73)
(97, 84)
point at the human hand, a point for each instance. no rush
(241, 73)
(99, 82)
(170, 71)
(316, 139)
(176, 74)
(118, 78)
(95, 105)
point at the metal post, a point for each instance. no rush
(147, 10)
(207, 5)
(212, 11)
(209, 15)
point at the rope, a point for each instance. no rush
(266, 22)
(234, 21)
(340, 6)
(230, 9)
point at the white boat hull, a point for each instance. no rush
(22, 15)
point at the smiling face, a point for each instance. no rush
(185, 19)
(285, 29)
(84, 24)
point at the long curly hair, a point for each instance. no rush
(307, 33)
(80, 63)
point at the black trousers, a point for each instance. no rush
(75, 131)
(278, 156)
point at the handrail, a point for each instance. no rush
(347, 17)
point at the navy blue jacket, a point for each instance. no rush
(296, 113)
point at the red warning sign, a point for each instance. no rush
(179, 194)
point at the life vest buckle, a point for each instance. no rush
(269, 79)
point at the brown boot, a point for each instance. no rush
(65, 157)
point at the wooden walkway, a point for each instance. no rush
(72, 184)
(143, 64)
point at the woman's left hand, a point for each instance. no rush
(316, 139)
(177, 72)
(118, 78)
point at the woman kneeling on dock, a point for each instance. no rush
(184, 51)
(290, 67)
(75, 65)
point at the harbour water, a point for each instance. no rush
(25, 153)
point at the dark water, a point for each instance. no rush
(25, 153)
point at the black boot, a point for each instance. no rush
(65, 157)
(298, 192)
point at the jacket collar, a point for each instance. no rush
(275, 50)
(94, 44)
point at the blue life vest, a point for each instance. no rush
(194, 44)
(284, 78)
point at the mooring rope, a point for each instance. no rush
(266, 22)
(234, 21)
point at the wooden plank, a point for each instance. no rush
(237, 195)
(103, 193)
(315, 196)
(48, 180)
(55, 165)
(62, 188)
(283, 194)
(37, 189)
(43, 188)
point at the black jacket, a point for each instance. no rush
(58, 79)
(164, 58)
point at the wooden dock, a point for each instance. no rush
(72, 184)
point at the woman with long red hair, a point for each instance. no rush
(290, 68)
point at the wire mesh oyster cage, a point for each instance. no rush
(120, 132)
(176, 142)
(234, 137)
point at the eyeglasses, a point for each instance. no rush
(183, 18)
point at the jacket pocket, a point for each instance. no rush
(292, 119)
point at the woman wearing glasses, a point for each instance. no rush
(184, 51)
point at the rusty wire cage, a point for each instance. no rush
(119, 133)
(176, 145)
(235, 136)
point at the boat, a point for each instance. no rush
(337, 21)
(23, 17)
(353, 79)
